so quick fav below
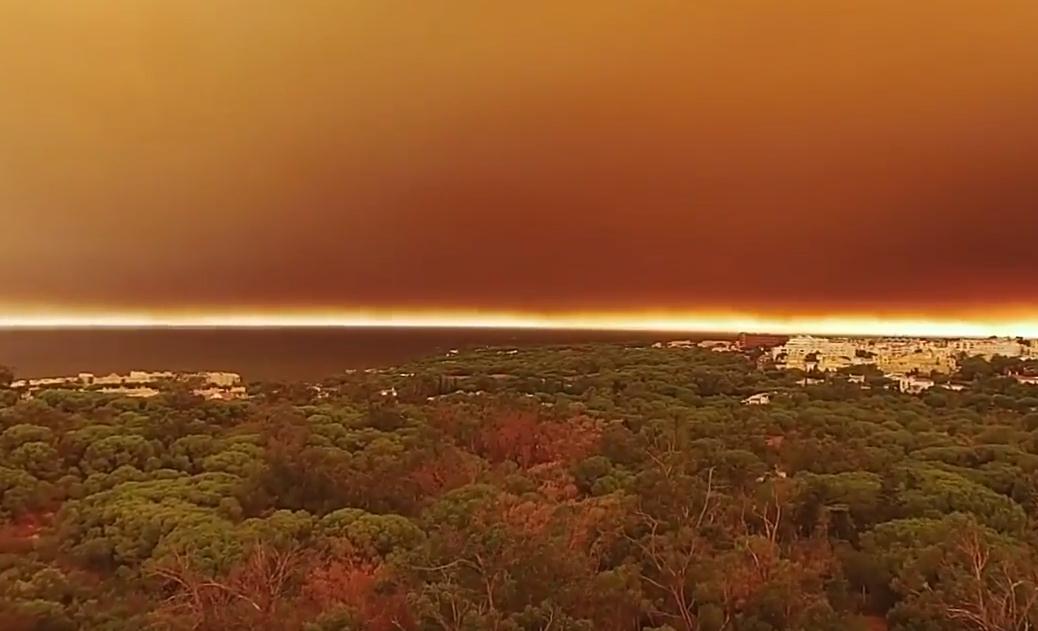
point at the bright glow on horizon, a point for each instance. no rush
(650, 322)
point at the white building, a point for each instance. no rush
(224, 393)
(141, 376)
(911, 384)
(989, 347)
(761, 398)
(142, 392)
(224, 379)
(719, 346)
(815, 353)
(681, 344)
(44, 382)
(110, 380)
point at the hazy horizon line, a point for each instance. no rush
(634, 322)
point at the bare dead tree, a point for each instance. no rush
(671, 555)
(1000, 594)
(250, 592)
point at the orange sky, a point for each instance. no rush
(747, 156)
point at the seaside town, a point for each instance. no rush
(913, 363)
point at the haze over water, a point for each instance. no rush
(258, 353)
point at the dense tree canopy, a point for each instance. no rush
(566, 488)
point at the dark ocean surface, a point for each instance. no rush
(276, 353)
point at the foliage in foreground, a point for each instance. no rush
(563, 489)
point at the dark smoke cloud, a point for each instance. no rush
(793, 157)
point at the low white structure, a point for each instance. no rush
(912, 384)
(223, 379)
(222, 393)
(137, 392)
(989, 347)
(719, 346)
(145, 377)
(36, 384)
(761, 398)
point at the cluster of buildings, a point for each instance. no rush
(142, 384)
(893, 355)
(908, 362)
